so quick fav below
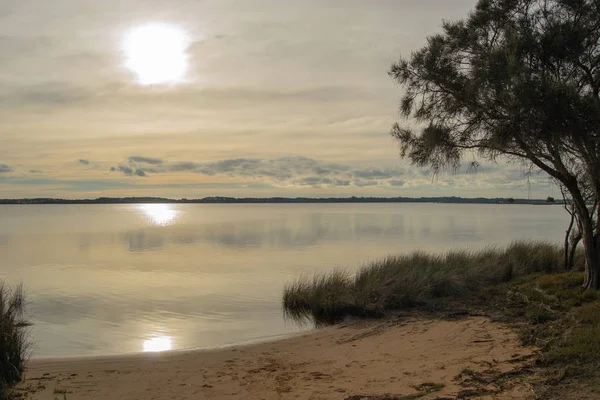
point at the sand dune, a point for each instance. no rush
(353, 361)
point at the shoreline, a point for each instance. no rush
(398, 357)
(167, 353)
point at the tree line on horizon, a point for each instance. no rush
(219, 199)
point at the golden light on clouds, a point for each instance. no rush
(157, 53)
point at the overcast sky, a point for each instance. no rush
(280, 98)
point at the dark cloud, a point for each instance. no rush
(396, 182)
(145, 160)
(124, 169)
(35, 171)
(319, 181)
(295, 170)
(378, 173)
(5, 168)
(313, 181)
(128, 171)
(184, 166)
(341, 182)
(132, 166)
(83, 161)
(364, 183)
(281, 169)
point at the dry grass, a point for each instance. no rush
(13, 338)
(410, 280)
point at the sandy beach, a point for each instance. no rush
(353, 361)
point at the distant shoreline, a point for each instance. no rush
(275, 200)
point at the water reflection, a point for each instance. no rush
(115, 279)
(159, 214)
(307, 231)
(159, 343)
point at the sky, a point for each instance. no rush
(258, 98)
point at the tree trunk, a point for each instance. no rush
(567, 236)
(573, 250)
(591, 242)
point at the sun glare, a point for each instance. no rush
(159, 214)
(160, 343)
(156, 53)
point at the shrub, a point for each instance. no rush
(13, 336)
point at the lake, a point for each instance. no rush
(114, 279)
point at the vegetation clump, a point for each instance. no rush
(406, 281)
(13, 338)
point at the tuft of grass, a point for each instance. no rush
(325, 296)
(410, 280)
(540, 315)
(13, 337)
(527, 257)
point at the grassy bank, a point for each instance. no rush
(406, 281)
(523, 285)
(13, 339)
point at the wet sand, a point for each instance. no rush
(401, 358)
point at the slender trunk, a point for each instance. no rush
(591, 257)
(573, 250)
(567, 236)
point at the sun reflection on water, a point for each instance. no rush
(158, 343)
(159, 214)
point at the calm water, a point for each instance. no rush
(109, 279)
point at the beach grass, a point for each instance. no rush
(405, 281)
(13, 338)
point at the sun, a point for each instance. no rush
(156, 344)
(159, 214)
(156, 53)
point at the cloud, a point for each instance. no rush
(364, 183)
(55, 94)
(83, 161)
(282, 171)
(318, 181)
(20, 46)
(35, 171)
(306, 172)
(5, 168)
(184, 166)
(128, 171)
(145, 160)
(378, 173)
(124, 169)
